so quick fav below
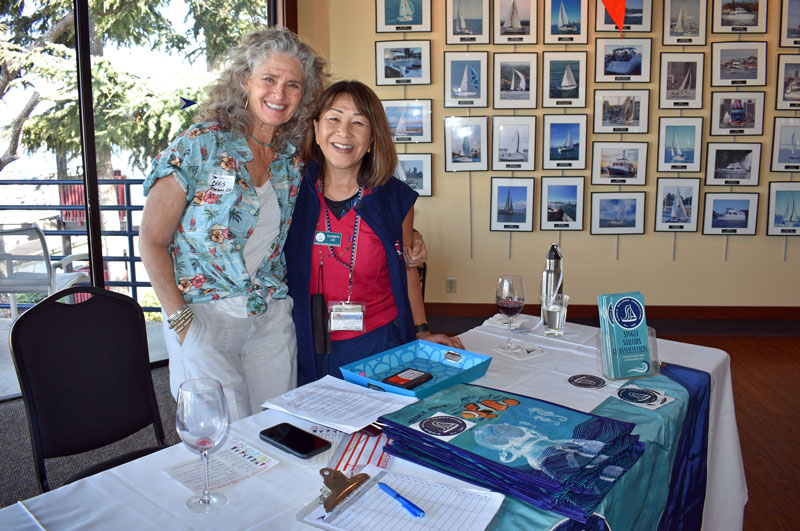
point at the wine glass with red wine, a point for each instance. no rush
(510, 300)
(202, 421)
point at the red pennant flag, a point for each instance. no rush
(616, 9)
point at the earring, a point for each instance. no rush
(369, 149)
(246, 103)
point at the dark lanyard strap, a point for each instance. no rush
(353, 239)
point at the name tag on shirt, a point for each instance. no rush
(346, 316)
(221, 183)
(333, 239)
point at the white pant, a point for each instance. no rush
(254, 358)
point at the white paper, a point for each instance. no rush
(338, 404)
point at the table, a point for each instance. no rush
(141, 495)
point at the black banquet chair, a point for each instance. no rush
(84, 371)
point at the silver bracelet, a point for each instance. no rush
(181, 316)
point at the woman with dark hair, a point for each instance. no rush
(346, 240)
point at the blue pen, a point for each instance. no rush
(410, 507)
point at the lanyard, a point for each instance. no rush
(353, 240)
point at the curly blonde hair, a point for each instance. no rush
(227, 97)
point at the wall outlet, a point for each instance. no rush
(449, 284)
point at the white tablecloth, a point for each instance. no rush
(141, 495)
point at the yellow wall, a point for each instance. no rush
(705, 270)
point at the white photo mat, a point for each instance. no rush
(512, 204)
(731, 118)
(638, 17)
(416, 169)
(409, 120)
(619, 163)
(733, 163)
(731, 16)
(515, 80)
(513, 143)
(784, 209)
(786, 144)
(679, 143)
(403, 62)
(393, 17)
(467, 23)
(739, 64)
(466, 79)
(684, 22)
(466, 143)
(562, 203)
(730, 213)
(623, 60)
(618, 212)
(568, 27)
(681, 81)
(515, 21)
(677, 204)
(564, 79)
(561, 150)
(621, 111)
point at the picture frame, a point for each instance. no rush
(619, 163)
(681, 81)
(564, 79)
(566, 21)
(737, 113)
(465, 79)
(685, 22)
(560, 152)
(739, 64)
(466, 143)
(732, 16)
(730, 213)
(786, 144)
(561, 204)
(515, 21)
(638, 17)
(467, 21)
(621, 111)
(623, 60)
(679, 143)
(416, 169)
(790, 23)
(676, 204)
(513, 143)
(400, 16)
(733, 164)
(787, 93)
(512, 204)
(515, 76)
(783, 217)
(618, 212)
(409, 120)
(402, 63)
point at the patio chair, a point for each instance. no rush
(25, 265)
(84, 371)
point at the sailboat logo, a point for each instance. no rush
(443, 425)
(628, 313)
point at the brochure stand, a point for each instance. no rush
(608, 363)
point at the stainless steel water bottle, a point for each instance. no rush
(553, 274)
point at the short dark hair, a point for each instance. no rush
(377, 166)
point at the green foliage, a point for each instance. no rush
(149, 299)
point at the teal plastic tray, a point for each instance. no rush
(448, 366)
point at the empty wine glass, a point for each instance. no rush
(510, 300)
(202, 420)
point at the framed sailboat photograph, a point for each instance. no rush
(564, 142)
(733, 164)
(790, 23)
(737, 113)
(618, 212)
(466, 143)
(736, 16)
(564, 79)
(619, 163)
(403, 62)
(679, 143)
(515, 21)
(677, 202)
(465, 79)
(618, 60)
(515, 76)
(786, 144)
(681, 81)
(787, 95)
(638, 17)
(730, 213)
(685, 22)
(566, 21)
(784, 209)
(409, 120)
(621, 111)
(396, 16)
(562, 203)
(738, 64)
(467, 21)
(415, 169)
(512, 204)
(513, 142)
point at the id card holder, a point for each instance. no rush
(344, 315)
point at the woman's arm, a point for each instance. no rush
(163, 209)
(415, 294)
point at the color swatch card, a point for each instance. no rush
(625, 347)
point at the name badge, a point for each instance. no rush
(333, 239)
(221, 183)
(346, 316)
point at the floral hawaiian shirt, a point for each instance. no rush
(221, 212)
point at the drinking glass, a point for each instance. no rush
(202, 420)
(510, 300)
(554, 314)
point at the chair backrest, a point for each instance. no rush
(24, 259)
(84, 371)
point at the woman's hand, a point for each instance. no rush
(417, 254)
(441, 339)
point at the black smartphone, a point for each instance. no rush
(294, 440)
(408, 378)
